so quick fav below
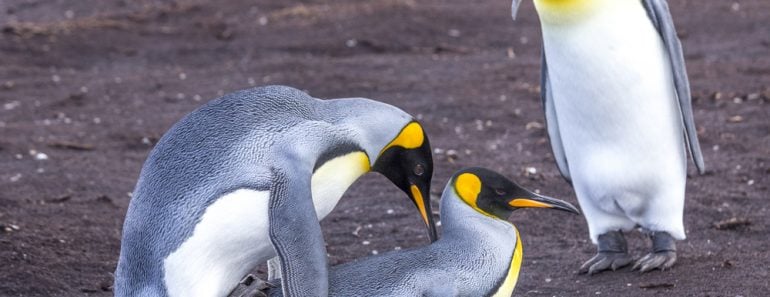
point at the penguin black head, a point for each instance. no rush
(494, 195)
(408, 163)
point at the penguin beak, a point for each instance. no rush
(418, 196)
(539, 201)
(515, 8)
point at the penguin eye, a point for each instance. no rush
(419, 170)
(500, 192)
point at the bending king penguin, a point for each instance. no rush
(247, 177)
(617, 105)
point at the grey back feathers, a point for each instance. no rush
(228, 144)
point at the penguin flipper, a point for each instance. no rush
(660, 16)
(552, 123)
(296, 234)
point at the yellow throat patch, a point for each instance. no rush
(565, 11)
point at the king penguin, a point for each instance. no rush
(479, 253)
(247, 177)
(619, 118)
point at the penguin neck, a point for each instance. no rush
(333, 175)
(494, 239)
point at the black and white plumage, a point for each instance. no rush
(479, 253)
(619, 117)
(247, 177)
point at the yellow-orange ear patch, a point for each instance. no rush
(411, 137)
(468, 187)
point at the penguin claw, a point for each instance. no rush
(252, 286)
(604, 261)
(657, 260)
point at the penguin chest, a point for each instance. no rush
(612, 88)
(230, 238)
(330, 180)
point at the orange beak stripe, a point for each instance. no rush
(418, 199)
(523, 202)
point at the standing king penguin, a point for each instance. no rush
(618, 108)
(247, 177)
(479, 253)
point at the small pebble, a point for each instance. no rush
(534, 125)
(15, 177)
(365, 242)
(11, 105)
(531, 170)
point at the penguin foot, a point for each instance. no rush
(605, 260)
(660, 260)
(663, 255)
(612, 254)
(251, 286)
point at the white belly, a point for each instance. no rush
(615, 102)
(232, 238)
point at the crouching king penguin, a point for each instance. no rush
(479, 253)
(618, 108)
(247, 177)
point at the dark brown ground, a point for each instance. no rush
(92, 84)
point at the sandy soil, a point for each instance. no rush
(87, 87)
